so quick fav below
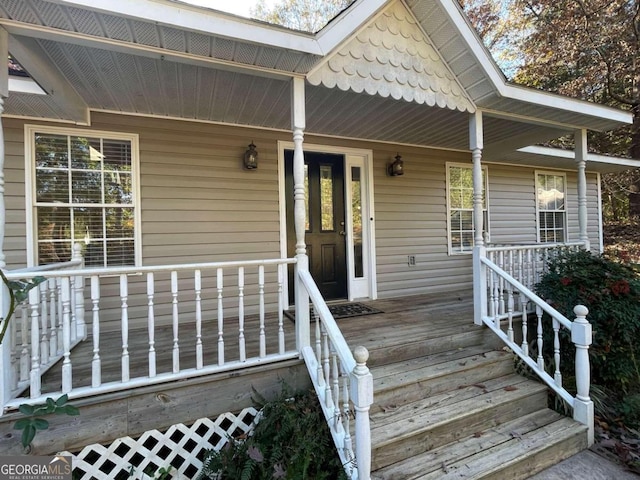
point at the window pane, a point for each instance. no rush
(51, 151)
(87, 187)
(117, 155)
(54, 234)
(120, 252)
(118, 188)
(356, 214)
(85, 153)
(52, 186)
(119, 222)
(326, 197)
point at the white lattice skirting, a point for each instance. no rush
(182, 448)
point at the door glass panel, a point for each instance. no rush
(356, 213)
(326, 197)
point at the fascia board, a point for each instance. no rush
(202, 20)
(341, 28)
(570, 154)
(521, 93)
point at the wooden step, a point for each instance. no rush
(515, 449)
(410, 380)
(418, 426)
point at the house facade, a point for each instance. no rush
(128, 136)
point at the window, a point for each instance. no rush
(551, 205)
(460, 207)
(83, 191)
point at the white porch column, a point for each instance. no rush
(476, 144)
(4, 93)
(581, 162)
(298, 124)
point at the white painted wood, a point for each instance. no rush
(3, 262)
(34, 378)
(263, 340)
(241, 343)
(582, 337)
(581, 162)
(151, 327)
(175, 353)
(65, 302)
(198, 289)
(7, 364)
(96, 363)
(4, 75)
(362, 395)
(78, 294)
(44, 323)
(220, 286)
(557, 375)
(124, 328)
(281, 269)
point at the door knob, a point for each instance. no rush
(342, 232)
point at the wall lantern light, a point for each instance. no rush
(251, 157)
(396, 168)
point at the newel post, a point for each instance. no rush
(479, 284)
(362, 396)
(298, 123)
(78, 292)
(5, 351)
(581, 336)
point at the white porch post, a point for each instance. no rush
(5, 349)
(298, 123)
(581, 161)
(476, 144)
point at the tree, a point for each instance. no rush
(304, 15)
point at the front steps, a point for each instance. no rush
(463, 413)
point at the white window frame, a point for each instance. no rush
(30, 184)
(564, 211)
(485, 209)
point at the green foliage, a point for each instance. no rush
(291, 441)
(611, 292)
(18, 293)
(32, 423)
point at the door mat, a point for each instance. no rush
(342, 310)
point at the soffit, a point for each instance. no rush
(156, 35)
(393, 57)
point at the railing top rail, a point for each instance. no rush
(46, 268)
(112, 271)
(529, 293)
(546, 246)
(331, 327)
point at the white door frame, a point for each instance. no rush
(365, 287)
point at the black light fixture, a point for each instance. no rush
(251, 157)
(396, 168)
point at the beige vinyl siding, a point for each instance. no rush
(411, 219)
(512, 204)
(15, 232)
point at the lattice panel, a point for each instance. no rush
(180, 447)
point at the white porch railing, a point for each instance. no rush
(502, 300)
(341, 382)
(214, 296)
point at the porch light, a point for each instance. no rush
(396, 168)
(251, 157)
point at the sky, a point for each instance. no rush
(238, 7)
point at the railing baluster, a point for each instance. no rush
(328, 397)
(525, 341)
(54, 321)
(151, 323)
(60, 308)
(510, 305)
(540, 340)
(34, 377)
(346, 414)
(124, 294)
(319, 373)
(263, 340)
(280, 310)
(65, 302)
(96, 363)
(24, 351)
(557, 375)
(219, 286)
(335, 377)
(241, 345)
(176, 320)
(198, 288)
(15, 354)
(44, 322)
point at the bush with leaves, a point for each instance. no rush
(291, 441)
(611, 292)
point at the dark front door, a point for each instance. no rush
(325, 225)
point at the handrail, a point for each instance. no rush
(520, 246)
(494, 292)
(46, 268)
(341, 380)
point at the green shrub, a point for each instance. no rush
(291, 441)
(611, 292)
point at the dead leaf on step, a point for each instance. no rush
(479, 385)
(444, 467)
(462, 364)
(516, 435)
(510, 388)
(478, 434)
(389, 408)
